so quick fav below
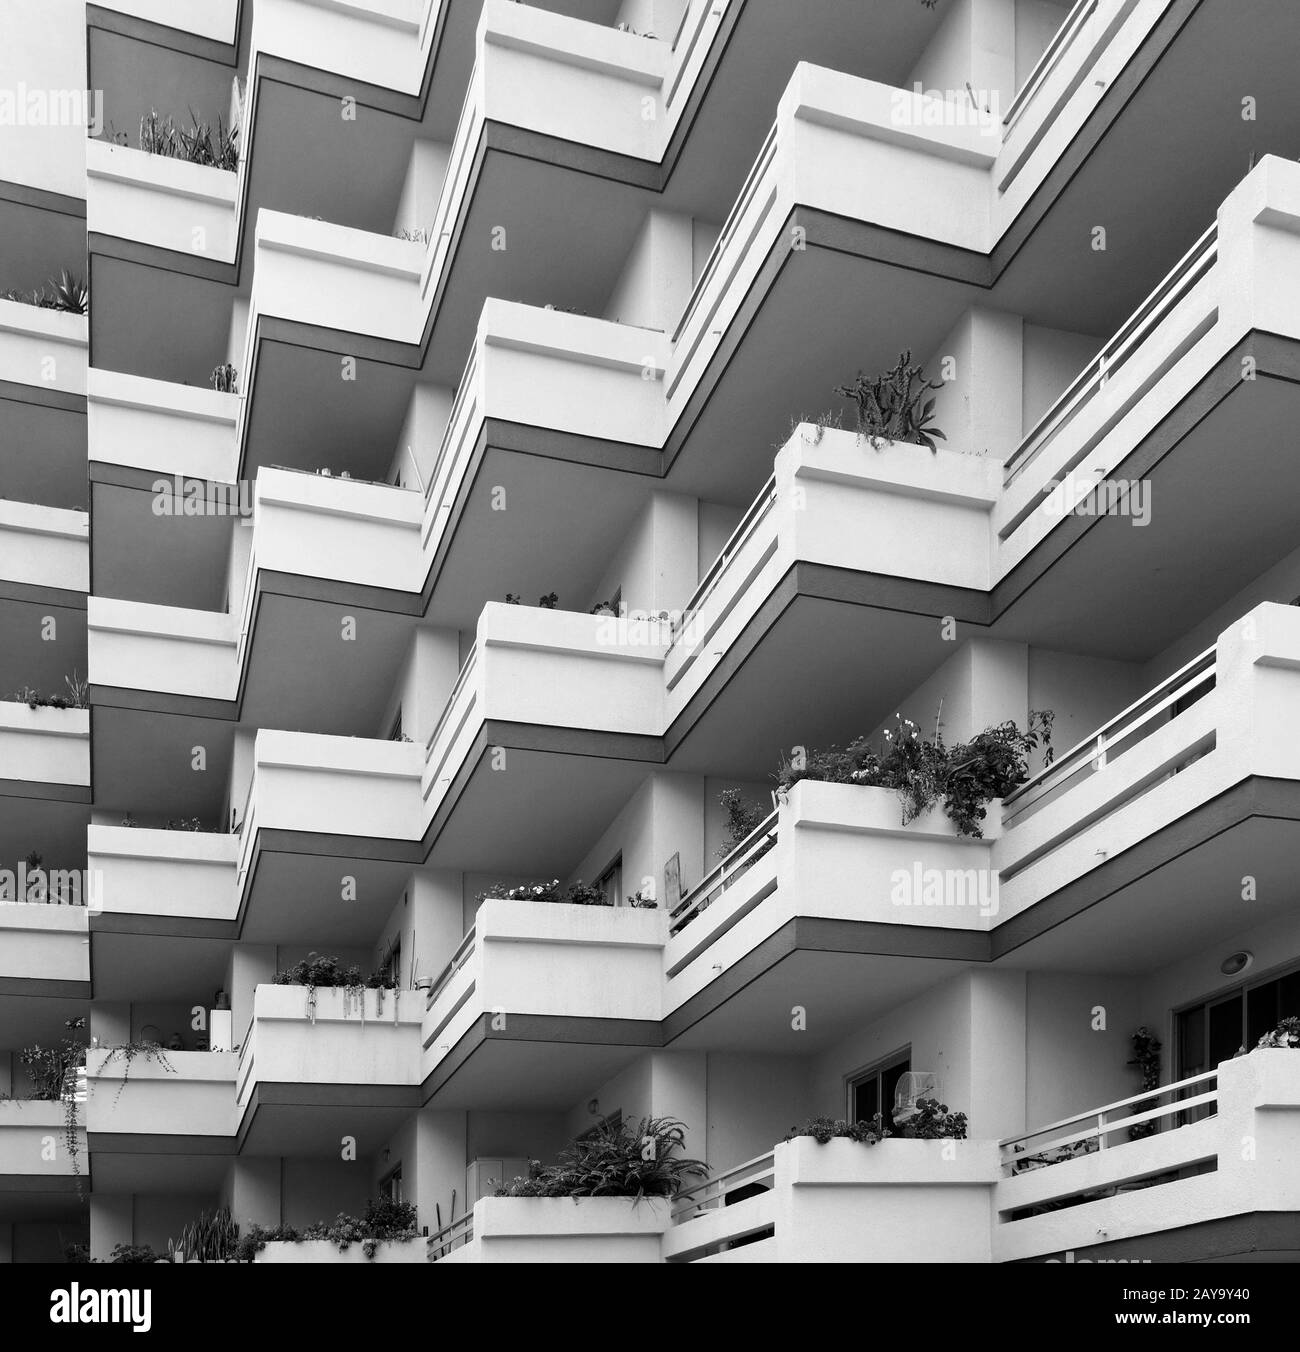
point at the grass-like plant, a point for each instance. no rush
(199, 143)
(616, 1160)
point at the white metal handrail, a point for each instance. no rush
(458, 1233)
(748, 527)
(699, 898)
(1060, 43)
(457, 408)
(1189, 270)
(452, 186)
(1100, 1127)
(459, 959)
(461, 681)
(728, 231)
(1098, 748)
(711, 1193)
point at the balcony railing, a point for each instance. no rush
(1189, 270)
(731, 870)
(453, 701)
(1072, 1135)
(1113, 739)
(744, 532)
(451, 1237)
(462, 955)
(1050, 59)
(711, 1195)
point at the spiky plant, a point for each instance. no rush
(893, 406)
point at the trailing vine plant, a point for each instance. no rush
(129, 1052)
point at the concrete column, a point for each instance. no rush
(110, 1023)
(428, 675)
(425, 171)
(656, 281)
(421, 437)
(252, 965)
(437, 906)
(979, 407)
(111, 1223)
(996, 1106)
(439, 1166)
(679, 1088)
(252, 1191)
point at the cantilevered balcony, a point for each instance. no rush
(43, 348)
(1084, 1185)
(320, 1065)
(832, 895)
(34, 1175)
(541, 999)
(142, 1103)
(1146, 829)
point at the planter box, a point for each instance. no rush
(326, 1251)
(566, 1230)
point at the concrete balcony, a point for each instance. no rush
(45, 746)
(571, 705)
(43, 348)
(159, 201)
(216, 20)
(830, 872)
(929, 1200)
(45, 548)
(317, 1066)
(27, 1162)
(337, 530)
(1103, 821)
(139, 1105)
(1110, 1197)
(138, 647)
(45, 949)
(179, 875)
(539, 998)
(555, 1230)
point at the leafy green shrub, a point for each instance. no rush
(384, 1220)
(67, 292)
(925, 771)
(577, 894)
(636, 1161)
(743, 817)
(932, 1122)
(134, 1253)
(253, 1240)
(823, 1129)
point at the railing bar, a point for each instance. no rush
(1062, 39)
(1074, 1138)
(763, 828)
(1177, 687)
(1090, 1113)
(456, 689)
(741, 536)
(1173, 287)
(718, 1180)
(747, 193)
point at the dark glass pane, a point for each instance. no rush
(1226, 1032)
(1288, 996)
(1191, 1042)
(891, 1078)
(866, 1099)
(1261, 1011)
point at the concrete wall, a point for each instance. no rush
(425, 172)
(1083, 692)
(980, 363)
(45, 51)
(655, 284)
(1037, 22)
(421, 436)
(976, 42)
(716, 524)
(655, 566)
(428, 674)
(1052, 359)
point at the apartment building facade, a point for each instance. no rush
(468, 304)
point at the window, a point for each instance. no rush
(1216, 1029)
(611, 882)
(395, 735)
(872, 1091)
(390, 1187)
(390, 965)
